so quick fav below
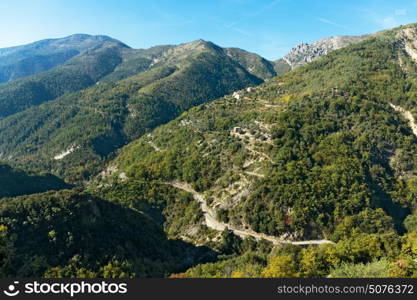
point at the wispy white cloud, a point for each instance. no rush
(390, 17)
(240, 1)
(242, 31)
(326, 21)
(272, 4)
(170, 19)
(266, 7)
(233, 26)
(387, 22)
(401, 12)
(273, 45)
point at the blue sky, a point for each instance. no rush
(267, 27)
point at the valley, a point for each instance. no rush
(196, 160)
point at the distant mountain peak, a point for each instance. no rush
(195, 44)
(79, 36)
(305, 52)
(199, 44)
(21, 61)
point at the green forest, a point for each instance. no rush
(323, 155)
(121, 108)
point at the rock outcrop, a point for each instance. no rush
(305, 53)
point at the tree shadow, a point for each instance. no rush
(76, 231)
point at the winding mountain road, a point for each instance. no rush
(213, 223)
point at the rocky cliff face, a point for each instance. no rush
(305, 53)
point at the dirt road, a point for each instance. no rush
(213, 223)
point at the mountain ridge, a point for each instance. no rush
(237, 148)
(29, 59)
(124, 104)
(207, 152)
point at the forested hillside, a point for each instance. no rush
(77, 74)
(21, 61)
(72, 135)
(71, 119)
(308, 142)
(255, 64)
(74, 234)
(311, 173)
(15, 182)
(324, 151)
